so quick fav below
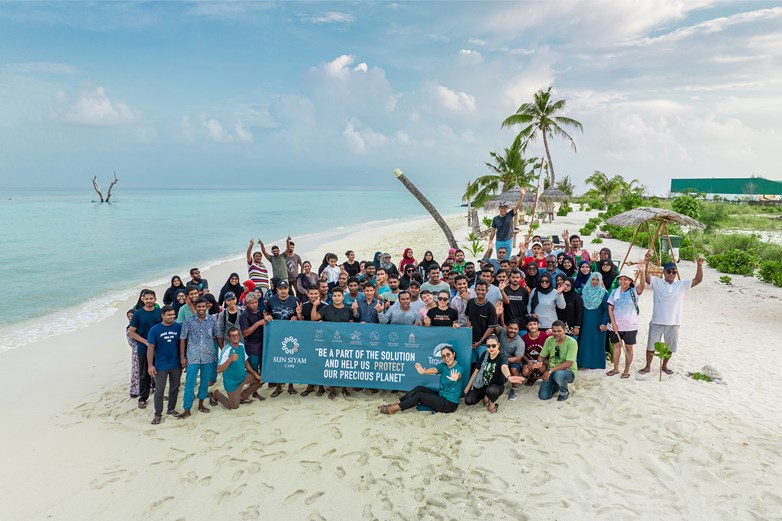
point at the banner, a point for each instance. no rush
(348, 354)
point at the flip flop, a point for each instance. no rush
(643, 371)
(245, 402)
(668, 371)
(345, 393)
(142, 405)
(625, 375)
(291, 390)
(276, 393)
(203, 409)
(212, 400)
(332, 395)
(256, 395)
(184, 415)
(613, 373)
(156, 420)
(321, 391)
(495, 409)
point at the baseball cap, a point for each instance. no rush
(283, 284)
(229, 295)
(669, 265)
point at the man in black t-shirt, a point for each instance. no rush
(515, 298)
(482, 318)
(282, 306)
(304, 312)
(336, 312)
(251, 323)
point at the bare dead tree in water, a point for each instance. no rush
(96, 186)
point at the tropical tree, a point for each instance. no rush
(566, 186)
(509, 170)
(606, 187)
(541, 120)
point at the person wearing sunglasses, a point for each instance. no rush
(442, 315)
(487, 382)
(446, 399)
(668, 294)
(559, 353)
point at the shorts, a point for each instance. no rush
(629, 337)
(658, 332)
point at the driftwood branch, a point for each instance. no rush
(97, 188)
(115, 181)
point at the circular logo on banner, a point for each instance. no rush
(393, 336)
(374, 336)
(290, 345)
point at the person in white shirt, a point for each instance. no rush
(667, 309)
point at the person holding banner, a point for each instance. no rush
(487, 382)
(446, 399)
(337, 311)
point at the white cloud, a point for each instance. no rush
(359, 140)
(332, 17)
(477, 41)
(470, 56)
(96, 109)
(339, 67)
(215, 130)
(454, 101)
(42, 67)
(241, 134)
(361, 67)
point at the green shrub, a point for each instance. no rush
(597, 204)
(736, 262)
(597, 240)
(733, 241)
(770, 252)
(771, 272)
(725, 279)
(688, 205)
(586, 230)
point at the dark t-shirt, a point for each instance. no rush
(492, 373)
(166, 342)
(143, 321)
(516, 310)
(201, 284)
(306, 309)
(504, 226)
(254, 342)
(442, 317)
(482, 316)
(532, 348)
(352, 269)
(281, 310)
(332, 314)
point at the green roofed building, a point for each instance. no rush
(740, 186)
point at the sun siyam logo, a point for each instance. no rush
(290, 345)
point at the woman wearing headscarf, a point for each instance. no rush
(591, 342)
(544, 301)
(407, 258)
(231, 286)
(214, 307)
(560, 259)
(168, 296)
(568, 267)
(180, 297)
(386, 264)
(377, 258)
(424, 265)
(582, 276)
(249, 287)
(608, 273)
(531, 276)
(601, 255)
(573, 312)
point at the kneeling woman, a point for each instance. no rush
(487, 382)
(446, 400)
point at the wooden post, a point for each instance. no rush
(630, 248)
(670, 247)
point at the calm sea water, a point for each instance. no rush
(64, 260)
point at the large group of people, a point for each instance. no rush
(542, 313)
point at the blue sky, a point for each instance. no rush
(330, 94)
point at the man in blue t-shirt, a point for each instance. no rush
(164, 361)
(234, 365)
(142, 321)
(502, 225)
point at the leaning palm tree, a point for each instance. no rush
(606, 187)
(541, 120)
(507, 171)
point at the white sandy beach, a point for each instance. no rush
(75, 446)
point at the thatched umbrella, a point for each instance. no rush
(510, 197)
(643, 216)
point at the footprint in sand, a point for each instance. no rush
(363, 459)
(276, 433)
(209, 435)
(314, 497)
(157, 504)
(315, 516)
(337, 433)
(267, 487)
(191, 477)
(366, 515)
(237, 475)
(475, 453)
(252, 512)
(328, 453)
(294, 496)
(340, 472)
(238, 490)
(98, 485)
(418, 494)
(309, 446)
(254, 468)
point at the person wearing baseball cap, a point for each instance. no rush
(502, 226)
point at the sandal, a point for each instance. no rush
(291, 390)
(256, 395)
(212, 400)
(203, 409)
(156, 420)
(276, 393)
(142, 405)
(668, 371)
(245, 401)
(345, 393)
(332, 395)
(184, 415)
(494, 409)
(625, 375)
(612, 372)
(643, 371)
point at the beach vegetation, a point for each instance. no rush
(475, 246)
(736, 262)
(700, 376)
(597, 240)
(725, 279)
(541, 119)
(566, 186)
(508, 170)
(486, 221)
(771, 272)
(663, 351)
(687, 204)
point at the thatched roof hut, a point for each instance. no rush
(511, 196)
(644, 214)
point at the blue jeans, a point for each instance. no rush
(557, 382)
(504, 244)
(206, 371)
(477, 352)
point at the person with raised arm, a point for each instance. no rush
(256, 269)
(502, 226)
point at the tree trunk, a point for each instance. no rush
(116, 180)
(548, 157)
(535, 204)
(475, 223)
(429, 207)
(97, 188)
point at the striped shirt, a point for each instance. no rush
(258, 274)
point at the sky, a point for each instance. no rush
(338, 94)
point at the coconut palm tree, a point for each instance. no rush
(606, 187)
(566, 186)
(507, 171)
(541, 120)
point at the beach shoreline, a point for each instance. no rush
(633, 449)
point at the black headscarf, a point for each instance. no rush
(236, 289)
(539, 289)
(213, 307)
(572, 270)
(531, 280)
(176, 303)
(424, 265)
(169, 295)
(608, 277)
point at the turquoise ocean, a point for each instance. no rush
(65, 259)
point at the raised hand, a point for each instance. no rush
(419, 368)
(298, 308)
(427, 321)
(379, 307)
(251, 241)
(503, 285)
(234, 357)
(700, 261)
(499, 307)
(355, 305)
(454, 376)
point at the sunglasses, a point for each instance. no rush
(672, 270)
(556, 351)
(443, 299)
(544, 281)
(447, 355)
(494, 346)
